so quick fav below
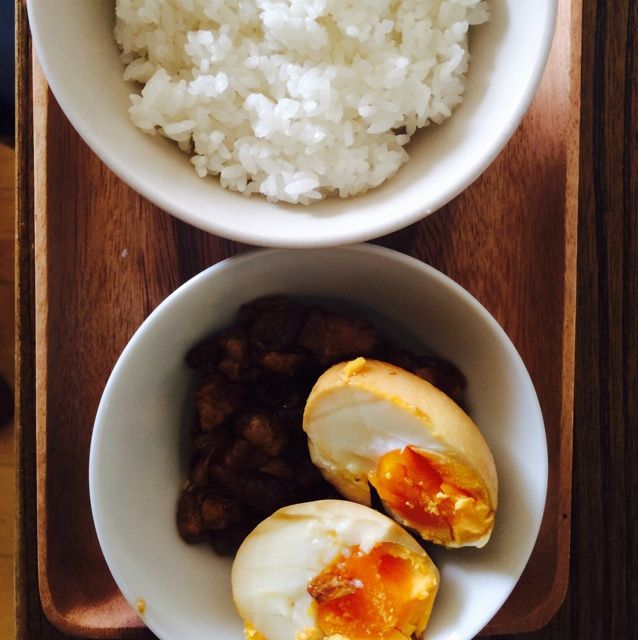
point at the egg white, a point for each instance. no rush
(360, 410)
(352, 429)
(277, 561)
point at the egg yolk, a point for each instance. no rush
(444, 502)
(385, 594)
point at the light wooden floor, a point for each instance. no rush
(7, 454)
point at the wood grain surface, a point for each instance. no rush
(603, 567)
(7, 447)
(104, 258)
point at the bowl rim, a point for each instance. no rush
(100, 424)
(330, 235)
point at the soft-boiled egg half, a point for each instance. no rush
(371, 423)
(336, 570)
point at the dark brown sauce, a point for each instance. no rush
(249, 453)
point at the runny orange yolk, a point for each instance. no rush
(385, 594)
(442, 501)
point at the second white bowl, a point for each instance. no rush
(138, 460)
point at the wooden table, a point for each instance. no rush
(604, 561)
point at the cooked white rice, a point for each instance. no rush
(295, 99)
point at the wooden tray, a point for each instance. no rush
(105, 257)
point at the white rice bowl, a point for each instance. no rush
(295, 99)
(82, 62)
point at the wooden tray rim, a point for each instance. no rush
(536, 618)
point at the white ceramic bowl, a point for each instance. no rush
(78, 53)
(139, 459)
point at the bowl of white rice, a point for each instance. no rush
(295, 123)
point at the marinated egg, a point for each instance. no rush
(336, 570)
(373, 424)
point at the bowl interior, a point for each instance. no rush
(75, 45)
(138, 459)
